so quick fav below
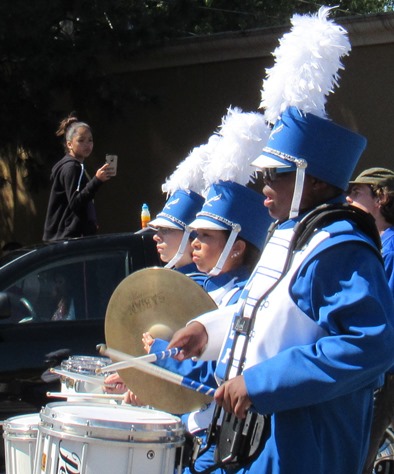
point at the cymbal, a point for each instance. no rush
(159, 301)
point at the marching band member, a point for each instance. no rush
(231, 226)
(184, 189)
(313, 330)
(231, 229)
(373, 190)
(173, 234)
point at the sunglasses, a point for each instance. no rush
(271, 174)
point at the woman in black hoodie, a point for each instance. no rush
(71, 211)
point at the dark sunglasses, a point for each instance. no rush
(269, 175)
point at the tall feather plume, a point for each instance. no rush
(189, 174)
(306, 66)
(243, 135)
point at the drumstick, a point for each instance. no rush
(85, 395)
(127, 364)
(157, 371)
(75, 376)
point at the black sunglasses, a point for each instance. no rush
(269, 175)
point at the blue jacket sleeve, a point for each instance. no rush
(345, 290)
(389, 268)
(200, 371)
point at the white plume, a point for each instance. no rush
(306, 66)
(243, 136)
(189, 174)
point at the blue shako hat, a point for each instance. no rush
(295, 90)
(230, 205)
(184, 195)
(330, 151)
(179, 210)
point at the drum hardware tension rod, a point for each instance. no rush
(157, 371)
(127, 364)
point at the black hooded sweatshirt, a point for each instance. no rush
(71, 211)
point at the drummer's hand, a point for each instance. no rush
(192, 339)
(147, 340)
(233, 397)
(114, 384)
(131, 399)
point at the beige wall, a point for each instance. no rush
(188, 88)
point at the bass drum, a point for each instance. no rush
(384, 463)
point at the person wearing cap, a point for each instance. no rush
(319, 330)
(173, 234)
(229, 229)
(373, 191)
(313, 331)
(184, 188)
(230, 232)
(173, 242)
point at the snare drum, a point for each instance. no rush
(85, 366)
(20, 439)
(90, 438)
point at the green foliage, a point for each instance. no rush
(52, 49)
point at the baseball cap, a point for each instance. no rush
(378, 176)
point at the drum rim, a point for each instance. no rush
(168, 428)
(75, 364)
(12, 423)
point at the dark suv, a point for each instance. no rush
(35, 330)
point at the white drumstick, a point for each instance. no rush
(85, 395)
(81, 377)
(127, 364)
(156, 371)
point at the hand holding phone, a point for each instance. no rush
(112, 161)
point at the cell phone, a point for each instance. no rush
(112, 160)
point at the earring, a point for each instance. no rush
(235, 255)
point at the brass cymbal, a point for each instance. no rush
(159, 301)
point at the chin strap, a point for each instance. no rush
(236, 229)
(181, 249)
(298, 187)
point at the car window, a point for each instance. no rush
(72, 289)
